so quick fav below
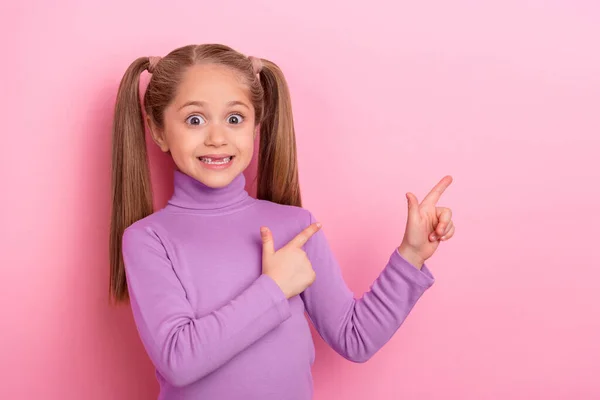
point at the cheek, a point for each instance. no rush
(181, 141)
(245, 144)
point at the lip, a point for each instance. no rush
(216, 167)
(216, 155)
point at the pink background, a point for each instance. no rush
(388, 97)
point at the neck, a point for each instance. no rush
(191, 194)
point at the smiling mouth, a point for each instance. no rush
(216, 161)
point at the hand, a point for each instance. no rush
(289, 267)
(426, 225)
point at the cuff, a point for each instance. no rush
(276, 295)
(423, 277)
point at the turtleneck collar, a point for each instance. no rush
(192, 194)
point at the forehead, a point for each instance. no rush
(211, 83)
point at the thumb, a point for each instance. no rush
(267, 239)
(413, 203)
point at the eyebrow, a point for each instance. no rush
(200, 103)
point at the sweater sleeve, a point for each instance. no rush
(358, 328)
(183, 347)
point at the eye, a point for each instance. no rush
(235, 119)
(195, 120)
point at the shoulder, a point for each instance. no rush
(287, 213)
(292, 220)
(285, 221)
(144, 231)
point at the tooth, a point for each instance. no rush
(224, 160)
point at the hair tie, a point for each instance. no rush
(257, 64)
(152, 61)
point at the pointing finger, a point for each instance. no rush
(434, 195)
(303, 236)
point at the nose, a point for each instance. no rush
(216, 136)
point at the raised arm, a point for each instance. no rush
(358, 328)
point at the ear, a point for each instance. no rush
(157, 135)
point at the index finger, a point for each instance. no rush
(306, 234)
(434, 195)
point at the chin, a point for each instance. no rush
(216, 179)
(216, 182)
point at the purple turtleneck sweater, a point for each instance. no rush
(215, 327)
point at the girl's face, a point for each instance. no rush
(209, 126)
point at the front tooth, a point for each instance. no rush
(210, 160)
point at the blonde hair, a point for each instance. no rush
(131, 188)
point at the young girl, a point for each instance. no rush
(219, 281)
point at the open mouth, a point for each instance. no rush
(216, 161)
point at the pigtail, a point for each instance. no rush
(131, 191)
(277, 160)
